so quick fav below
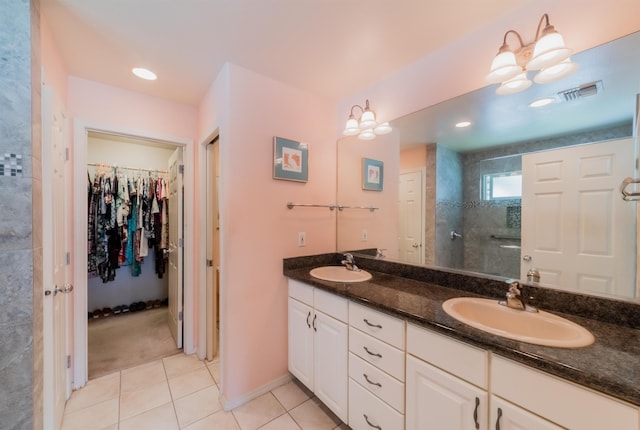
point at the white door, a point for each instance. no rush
(301, 342)
(580, 239)
(175, 246)
(505, 416)
(411, 230)
(330, 363)
(56, 318)
(439, 400)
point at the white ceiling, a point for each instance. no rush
(329, 47)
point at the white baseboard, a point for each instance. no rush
(234, 403)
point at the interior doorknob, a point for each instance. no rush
(527, 258)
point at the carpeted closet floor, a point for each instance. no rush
(118, 342)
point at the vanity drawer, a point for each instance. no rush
(331, 304)
(301, 292)
(377, 382)
(378, 324)
(378, 353)
(465, 361)
(367, 412)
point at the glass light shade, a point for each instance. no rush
(383, 128)
(553, 73)
(351, 128)
(503, 67)
(144, 73)
(515, 85)
(367, 134)
(368, 119)
(548, 51)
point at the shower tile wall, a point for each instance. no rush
(20, 244)
(449, 252)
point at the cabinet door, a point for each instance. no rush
(330, 374)
(301, 342)
(438, 400)
(506, 416)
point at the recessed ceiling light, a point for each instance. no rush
(463, 124)
(144, 73)
(541, 102)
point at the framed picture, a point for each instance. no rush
(290, 160)
(372, 174)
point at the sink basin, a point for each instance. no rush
(339, 274)
(540, 328)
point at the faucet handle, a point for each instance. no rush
(514, 289)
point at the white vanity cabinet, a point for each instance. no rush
(561, 402)
(318, 343)
(376, 369)
(507, 416)
(446, 383)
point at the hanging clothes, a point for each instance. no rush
(125, 219)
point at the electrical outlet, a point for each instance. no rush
(365, 235)
(302, 238)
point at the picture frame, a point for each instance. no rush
(290, 160)
(372, 174)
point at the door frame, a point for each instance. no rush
(81, 131)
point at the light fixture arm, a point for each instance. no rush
(362, 109)
(545, 18)
(504, 40)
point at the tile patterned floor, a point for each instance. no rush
(181, 393)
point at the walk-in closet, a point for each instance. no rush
(132, 276)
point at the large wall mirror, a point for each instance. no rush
(519, 188)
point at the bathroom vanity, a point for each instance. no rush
(387, 356)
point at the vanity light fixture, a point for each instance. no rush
(546, 53)
(365, 126)
(143, 73)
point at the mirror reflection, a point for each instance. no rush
(496, 197)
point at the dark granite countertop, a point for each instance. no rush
(611, 365)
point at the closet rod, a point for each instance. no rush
(109, 166)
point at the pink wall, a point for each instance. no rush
(54, 70)
(462, 66)
(257, 229)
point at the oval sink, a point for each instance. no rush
(540, 328)
(339, 274)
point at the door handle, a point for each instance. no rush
(66, 288)
(415, 245)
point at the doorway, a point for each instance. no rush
(212, 249)
(83, 313)
(134, 288)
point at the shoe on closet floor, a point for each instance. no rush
(117, 310)
(97, 313)
(106, 312)
(124, 308)
(156, 303)
(149, 304)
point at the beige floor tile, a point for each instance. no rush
(214, 368)
(283, 422)
(135, 402)
(221, 420)
(312, 415)
(179, 364)
(190, 382)
(96, 416)
(258, 412)
(142, 376)
(291, 394)
(198, 405)
(160, 418)
(96, 391)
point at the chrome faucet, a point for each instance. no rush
(350, 263)
(514, 298)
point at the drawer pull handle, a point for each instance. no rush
(498, 420)
(371, 382)
(366, 418)
(314, 322)
(475, 414)
(308, 315)
(375, 354)
(372, 325)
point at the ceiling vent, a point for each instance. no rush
(586, 90)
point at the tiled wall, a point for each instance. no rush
(19, 244)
